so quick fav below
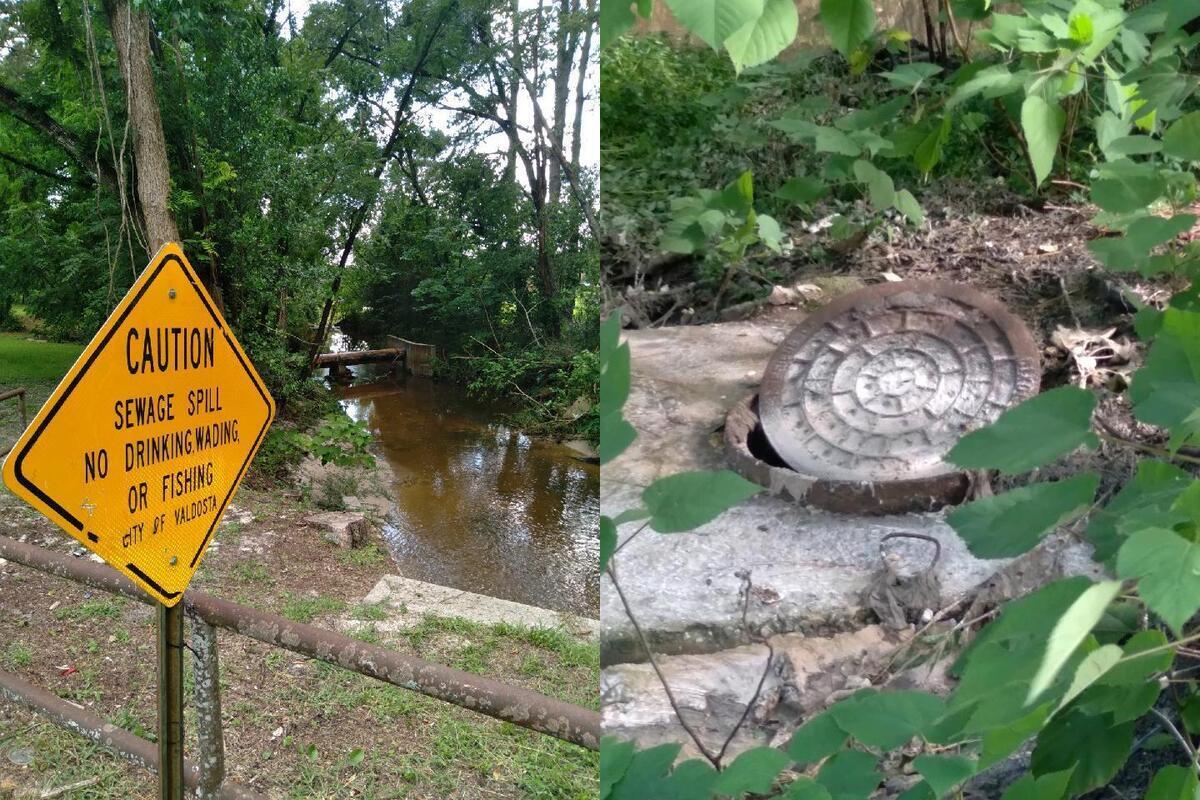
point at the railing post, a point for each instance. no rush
(207, 673)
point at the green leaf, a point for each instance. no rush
(879, 184)
(850, 775)
(1173, 782)
(608, 541)
(1182, 139)
(886, 719)
(1000, 743)
(1167, 569)
(616, 434)
(1165, 391)
(1154, 486)
(691, 779)
(1129, 688)
(1123, 187)
(1129, 252)
(615, 381)
(831, 140)
(911, 76)
(928, 151)
(616, 17)
(615, 757)
(1080, 28)
(646, 773)
(753, 771)
(1091, 669)
(690, 499)
(610, 337)
(872, 116)
(943, 773)
(1011, 523)
(994, 81)
(1042, 124)
(1136, 145)
(1091, 745)
(907, 205)
(802, 190)
(714, 21)
(818, 738)
(804, 788)
(1031, 434)
(1045, 787)
(847, 22)
(1069, 632)
(769, 232)
(762, 39)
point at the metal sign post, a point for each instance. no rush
(170, 702)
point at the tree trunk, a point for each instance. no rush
(131, 33)
(580, 85)
(514, 86)
(566, 40)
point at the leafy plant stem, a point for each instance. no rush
(1166, 722)
(637, 629)
(1161, 452)
(632, 536)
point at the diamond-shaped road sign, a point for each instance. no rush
(140, 448)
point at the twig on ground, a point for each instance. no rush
(1183, 740)
(747, 585)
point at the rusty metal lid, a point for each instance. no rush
(880, 384)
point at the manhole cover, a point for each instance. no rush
(880, 384)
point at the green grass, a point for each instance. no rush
(26, 360)
(18, 654)
(252, 573)
(367, 556)
(91, 609)
(306, 609)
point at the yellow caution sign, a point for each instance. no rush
(139, 450)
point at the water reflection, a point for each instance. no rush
(482, 507)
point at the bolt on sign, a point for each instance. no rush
(139, 450)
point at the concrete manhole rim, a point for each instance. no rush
(846, 497)
(1016, 341)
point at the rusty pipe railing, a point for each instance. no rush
(125, 744)
(488, 696)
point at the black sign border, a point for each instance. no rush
(19, 458)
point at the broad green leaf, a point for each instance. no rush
(804, 788)
(1091, 747)
(1045, 787)
(1080, 28)
(690, 499)
(1093, 667)
(608, 541)
(1167, 569)
(615, 757)
(831, 140)
(872, 116)
(879, 184)
(1137, 145)
(802, 190)
(616, 434)
(907, 205)
(818, 738)
(928, 151)
(1154, 486)
(943, 773)
(762, 39)
(753, 771)
(769, 232)
(911, 76)
(691, 779)
(1166, 390)
(714, 21)
(1182, 138)
(616, 17)
(615, 380)
(1129, 252)
(850, 775)
(886, 719)
(1011, 523)
(1163, 16)
(1069, 632)
(1173, 782)
(1129, 689)
(1031, 434)
(1000, 743)
(995, 81)
(848, 23)
(1042, 124)
(645, 774)
(610, 337)
(1123, 187)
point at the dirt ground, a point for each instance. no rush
(294, 728)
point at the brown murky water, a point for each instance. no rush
(480, 506)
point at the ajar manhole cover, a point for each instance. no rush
(876, 387)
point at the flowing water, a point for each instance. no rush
(480, 506)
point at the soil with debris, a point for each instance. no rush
(294, 728)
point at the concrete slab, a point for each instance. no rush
(809, 568)
(407, 602)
